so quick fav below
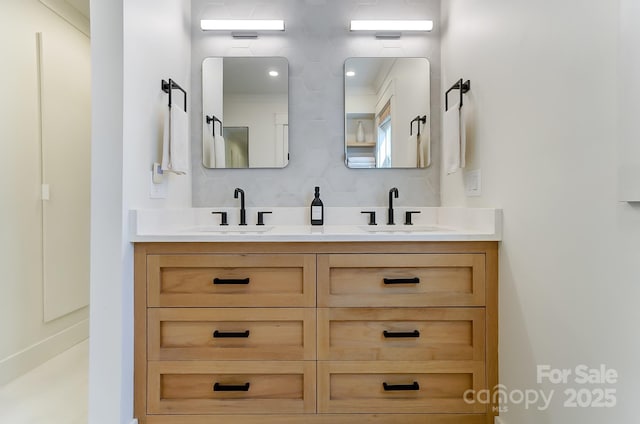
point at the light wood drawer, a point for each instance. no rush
(231, 280)
(231, 387)
(232, 334)
(398, 387)
(401, 334)
(408, 280)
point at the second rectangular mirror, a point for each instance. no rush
(387, 112)
(245, 105)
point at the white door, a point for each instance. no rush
(65, 108)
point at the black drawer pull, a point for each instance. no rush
(217, 387)
(231, 335)
(401, 335)
(231, 281)
(400, 387)
(414, 280)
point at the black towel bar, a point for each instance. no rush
(168, 87)
(417, 119)
(213, 119)
(464, 87)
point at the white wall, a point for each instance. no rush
(26, 340)
(543, 130)
(134, 47)
(108, 367)
(258, 113)
(629, 89)
(156, 47)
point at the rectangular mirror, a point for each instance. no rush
(387, 112)
(245, 105)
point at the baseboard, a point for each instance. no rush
(36, 354)
(498, 420)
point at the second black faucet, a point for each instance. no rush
(392, 193)
(243, 211)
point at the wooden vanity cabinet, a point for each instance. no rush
(305, 333)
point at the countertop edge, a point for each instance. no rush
(183, 238)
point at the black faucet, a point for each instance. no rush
(243, 211)
(392, 193)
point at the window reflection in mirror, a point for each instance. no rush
(382, 97)
(245, 104)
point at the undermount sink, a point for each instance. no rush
(235, 229)
(401, 228)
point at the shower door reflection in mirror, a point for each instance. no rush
(236, 141)
(387, 112)
(245, 104)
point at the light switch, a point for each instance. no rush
(157, 191)
(473, 183)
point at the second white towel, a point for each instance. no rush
(220, 151)
(412, 152)
(424, 151)
(208, 152)
(422, 144)
(454, 141)
(175, 151)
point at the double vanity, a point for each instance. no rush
(251, 315)
(288, 323)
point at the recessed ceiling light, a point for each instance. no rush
(350, 74)
(274, 73)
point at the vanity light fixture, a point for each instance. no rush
(391, 28)
(242, 25)
(392, 25)
(242, 28)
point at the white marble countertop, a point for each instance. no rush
(342, 224)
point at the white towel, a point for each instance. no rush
(208, 152)
(411, 160)
(424, 149)
(454, 145)
(220, 153)
(175, 152)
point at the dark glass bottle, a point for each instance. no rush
(317, 209)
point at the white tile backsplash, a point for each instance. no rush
(316, 43)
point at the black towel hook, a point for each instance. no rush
(213, 119)
(418, 119)
(168, 87)
(464, 87)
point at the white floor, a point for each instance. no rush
(54, 393)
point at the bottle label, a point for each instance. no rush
(316, 213)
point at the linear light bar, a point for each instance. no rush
(241, 25)
(396, 25)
